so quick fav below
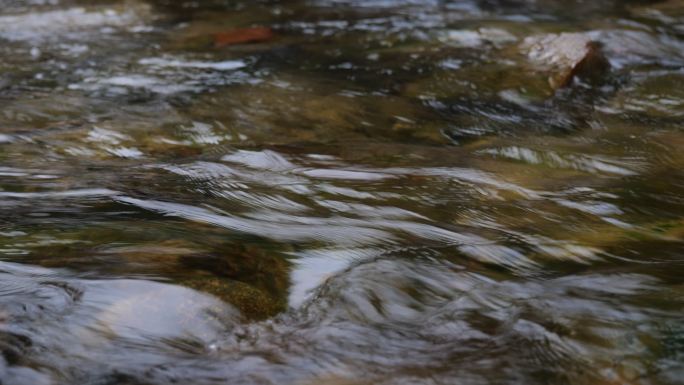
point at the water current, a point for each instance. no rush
(339, 192)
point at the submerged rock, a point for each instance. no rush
(567, 56)
(253, 280)
(139, 310)
(253, 303)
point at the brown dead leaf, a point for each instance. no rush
(243, 36)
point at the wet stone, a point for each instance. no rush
(566, 56)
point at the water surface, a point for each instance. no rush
(381, 192)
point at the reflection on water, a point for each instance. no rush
(355, 192)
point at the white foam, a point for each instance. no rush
(220, 66)
(126, 152)
(121, 84)
(131, 81)
(264, 160)
(476, 38)
(45, 25)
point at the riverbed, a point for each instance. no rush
(339, 192)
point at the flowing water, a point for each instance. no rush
(373, 192)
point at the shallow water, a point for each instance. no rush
(382, 192)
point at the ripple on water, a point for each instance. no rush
(92, 320)
(309, 214)
(386, 192)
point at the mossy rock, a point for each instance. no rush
(253, 303)
(253, 279)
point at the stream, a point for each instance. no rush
(339, 192)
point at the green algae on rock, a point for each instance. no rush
(253, 303)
